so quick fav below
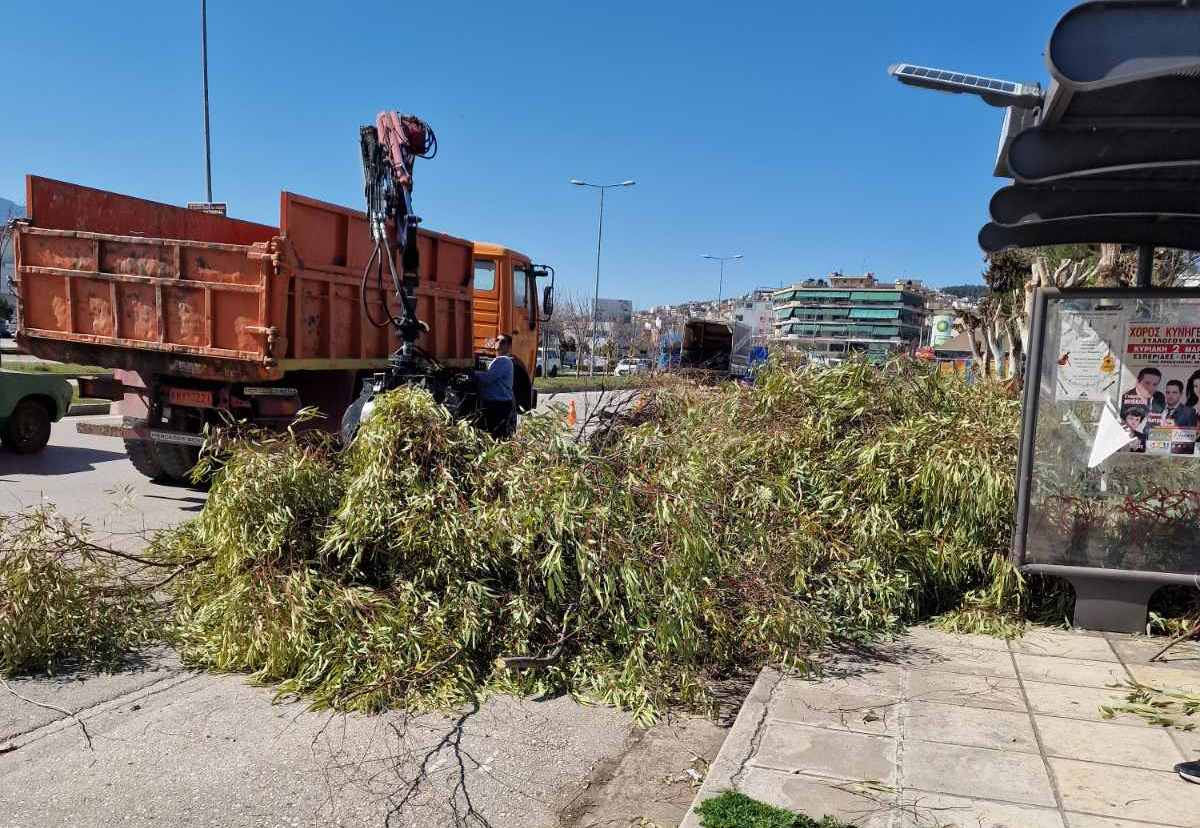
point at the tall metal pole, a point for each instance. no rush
(599, 240)
(720, 288)
(596, 297)
(721, 284)
(204, 64)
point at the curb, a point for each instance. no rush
(87, 409)
(738, 746)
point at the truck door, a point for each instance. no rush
(488, 301)
(524, 315)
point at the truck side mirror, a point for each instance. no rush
(548, 301)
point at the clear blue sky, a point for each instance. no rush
(769, 129)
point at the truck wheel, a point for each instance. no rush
(144, 458)
(554, 371)
(177, 461)
(28, 428)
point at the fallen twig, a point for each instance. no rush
(1183, 636)
(55, 707)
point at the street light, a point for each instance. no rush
(599, 238)
(721, 284)
(204, 69)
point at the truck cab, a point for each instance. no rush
(506, 301)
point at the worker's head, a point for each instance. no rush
(504, 344)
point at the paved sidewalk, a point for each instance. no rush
(969, 731)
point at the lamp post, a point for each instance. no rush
(599, 239)
(721, 284)
(204, 69)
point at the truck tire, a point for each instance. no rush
(145, 458)
(28, 428)
(177, 461)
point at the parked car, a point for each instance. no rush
(568, 360)
(29, 403)
(632, 366)
(548, 362)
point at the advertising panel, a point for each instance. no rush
(1160, 383)
(1089, 347)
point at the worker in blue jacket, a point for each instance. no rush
(496, 391)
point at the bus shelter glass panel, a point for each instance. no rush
(1115, 469)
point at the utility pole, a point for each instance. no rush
(721, 283)
(204, 68)
(599, 240)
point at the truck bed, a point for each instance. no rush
(110, 280)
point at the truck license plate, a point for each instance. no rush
(190, 397)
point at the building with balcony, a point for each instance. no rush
(756, 310)
(850, 314)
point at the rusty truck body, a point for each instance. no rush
(201, 315)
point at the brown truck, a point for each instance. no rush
(203, 316)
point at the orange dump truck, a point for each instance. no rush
(203, 316)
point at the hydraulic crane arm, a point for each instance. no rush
(389, 150)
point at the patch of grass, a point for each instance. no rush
(53, 368)
(735, 810)
(565, 383)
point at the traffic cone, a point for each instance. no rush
(571, 418)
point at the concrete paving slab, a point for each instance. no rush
(844, 755)
(1183, 656)
(973, 662)
(1138, 747)
(1158, 797)
(1056, 670)
(918, 637)
(1187, 741)
(1078, 820)
(1071, 702)
(971, 726)
(922, 809)
(1064, 644)
(813, 704)
(857, 804)
(859, 672)
(1019, 778)
(1169, 678)
(970, 691)
(975, 743)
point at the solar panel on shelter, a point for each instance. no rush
(994, 91)
(1111, 153)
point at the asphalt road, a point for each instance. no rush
(170, 746)
(90, 478)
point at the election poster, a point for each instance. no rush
(1160, 387)
(1088, 354)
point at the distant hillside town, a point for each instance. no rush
(833, 316)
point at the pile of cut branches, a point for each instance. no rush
(712, 530)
